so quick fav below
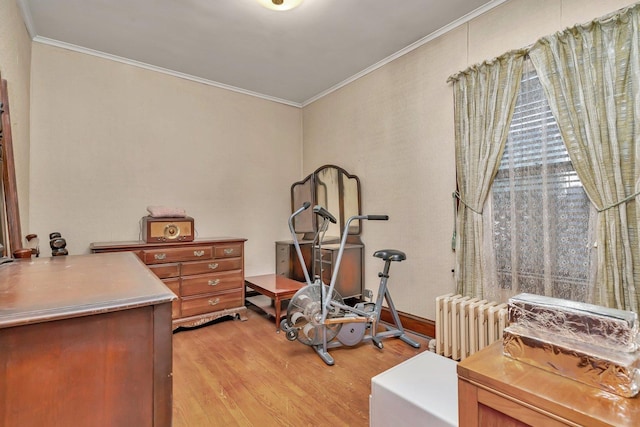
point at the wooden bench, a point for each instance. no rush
(277, 288)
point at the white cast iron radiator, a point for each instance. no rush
(465, 325)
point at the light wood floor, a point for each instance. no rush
(236, 373)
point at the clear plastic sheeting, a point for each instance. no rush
(607, 327)
(615, 372)
(595, 345)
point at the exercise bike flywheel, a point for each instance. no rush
(304, 316)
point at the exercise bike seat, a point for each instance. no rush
(390, 255)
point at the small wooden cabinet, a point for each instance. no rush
(349, 284)
(287, 263)
(207, 275)
(495, 390)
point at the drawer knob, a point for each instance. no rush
(228, 251)
(214, 282)
(214, 301)
(213, 266)
(198, 253)
(160, 256)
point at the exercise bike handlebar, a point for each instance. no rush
(303, 208)
(377, 217)
(319, 210)
(322, 212)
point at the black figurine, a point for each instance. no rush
(58, 244)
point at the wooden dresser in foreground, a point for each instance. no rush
(85, 340)
(494, 390)
(207, 275)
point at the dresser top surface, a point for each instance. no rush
(559, 395)
(44, 289)
(140, 244)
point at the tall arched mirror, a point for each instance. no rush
(334, 189)
(337, 191)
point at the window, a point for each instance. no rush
(541, 230)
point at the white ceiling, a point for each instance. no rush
(292, 57)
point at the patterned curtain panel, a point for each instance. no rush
(484, 98)
(591, 76)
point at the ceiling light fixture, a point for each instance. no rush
(280, 4)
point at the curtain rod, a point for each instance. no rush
(610, 17)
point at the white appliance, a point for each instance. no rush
(421, 391)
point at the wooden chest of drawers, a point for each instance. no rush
(207, 275)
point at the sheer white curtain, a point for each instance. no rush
(484, 98)
(539, 222)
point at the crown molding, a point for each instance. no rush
(79, 49)
(463, 20)
(28, 20)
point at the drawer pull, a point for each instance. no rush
(214, 282)
(228, 251)
(213, 266)
(214, 301)
(198, 253)
(160, 256)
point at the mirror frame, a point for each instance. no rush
(306, 223)
(11, 230)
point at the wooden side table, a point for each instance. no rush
(278, 288)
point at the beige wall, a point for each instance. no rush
(394, 129)
(109, 139)
(15, 66)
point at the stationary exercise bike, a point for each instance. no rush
(317, 315)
